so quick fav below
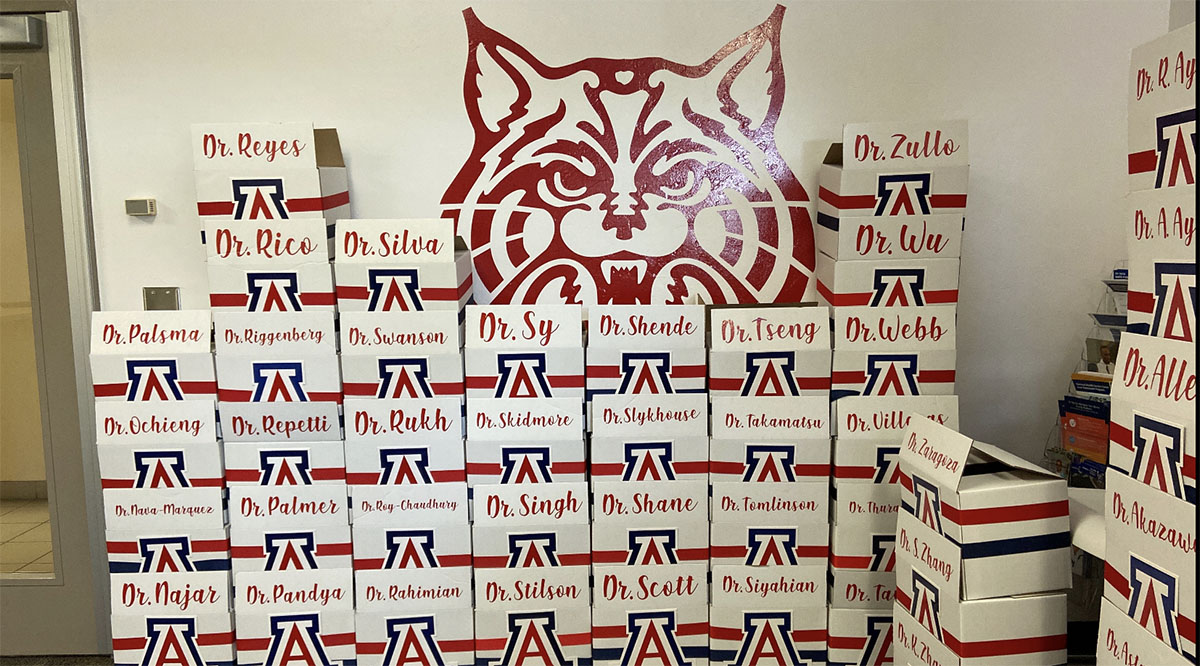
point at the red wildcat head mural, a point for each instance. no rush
(630, 181)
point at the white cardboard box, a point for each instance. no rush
(893, 373)
(283, 615)
(411, 546)
(158, 424)
(280, 422)
(491, 462)
(767, 615)
(172, 618)
(1122, 641)
(651, 614)
(768, 461)
(547, 545)
(920, 328)
(1160, 234)
(650, 437)
(538, 419)
(766, 352)
(1007, 516)
(159, 355)
(269, 171)
(891, 168)
(901, 283)
(888, 238)
(289, 548)
(404, 440)
(860, 636)
(192, 465)
(431, 504)
(1162, 111)
(649, 522)
(253, 378)
(401, 354)
(167, 550)
(859, 589)
(865, 544)
(645, 349)
(769, 439)
(288, 507)
(266, 288)
(873, 506)
(803, 502)
(519, 351)
(414, 616)
(136, 509)
(543, 614)
(869, 460)
(1152, 434)
(401, 266)
(280, 243)
(1150, 560)
(524, 505)
(769, 543)
(284, 463)
(888, 416)
(1026, 629)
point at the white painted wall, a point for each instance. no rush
(1042, 83)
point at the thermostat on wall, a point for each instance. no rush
(141, 207)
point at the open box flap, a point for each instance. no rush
(935, 452)
(328, 147)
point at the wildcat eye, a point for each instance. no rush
(564, 189)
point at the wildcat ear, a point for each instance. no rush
(496, 86)
(749, 72)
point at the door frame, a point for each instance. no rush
(62, 45)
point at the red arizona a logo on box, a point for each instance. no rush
(171, 640)
(532, 641)
(652, 640)
(411, 641)
(767, 639)
(296, 639)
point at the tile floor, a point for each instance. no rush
(25, 548)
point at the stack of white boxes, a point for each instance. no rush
(983, 554)
(398, 285)
(1148, 614)
(526, 470)
(163, 484)
(646, 371)
(889, 233)
(769, 464)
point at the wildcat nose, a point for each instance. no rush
(624, 203)
(623, 225)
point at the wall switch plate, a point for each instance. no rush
(160, 298)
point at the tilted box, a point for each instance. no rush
(1123, 641)
(1008, 517)
(159, 355)
(931, 590)
(401, 266)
